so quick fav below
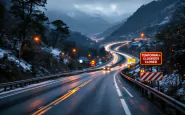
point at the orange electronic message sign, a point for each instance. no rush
(151, 58)
(92, 63)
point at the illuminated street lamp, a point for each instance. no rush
(142, 34)
(63, 53)
(74, 50)
(37, 39)
(89, 55)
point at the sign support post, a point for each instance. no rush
(158, 81)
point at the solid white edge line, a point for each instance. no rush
(116, 85)
(128, 92)
(125, 107)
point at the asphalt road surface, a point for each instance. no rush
(95, 93)
(99, 93)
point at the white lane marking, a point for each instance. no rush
(125, 107)
(128, 92)
(119, 93)
(116, 85)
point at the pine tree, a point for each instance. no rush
(29, 15)
(60, 31)
(2, 12)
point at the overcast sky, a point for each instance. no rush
(110, 8)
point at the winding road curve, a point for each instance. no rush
(96, 93)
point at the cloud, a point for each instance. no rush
(113, 7)
(110, 8)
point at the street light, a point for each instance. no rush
(89, 55)
(74, 50)
(142, 34)
(37, 39)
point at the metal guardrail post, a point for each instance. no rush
(146, 92)
(10, 86)
(16, 86)
(164, 100)
(152, 97)
(163, 105)
(177, 112)
(143, 91)
(21, 83)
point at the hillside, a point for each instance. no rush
(110, 30)
(149, 18)
(79, 38)
(80, 22)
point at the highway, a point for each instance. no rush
(95, 93)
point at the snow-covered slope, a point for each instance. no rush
(149, 19)
(12, 58)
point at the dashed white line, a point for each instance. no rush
(128, 92)
(125, 107)
(119, 93)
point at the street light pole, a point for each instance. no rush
(74, 51)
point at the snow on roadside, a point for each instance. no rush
(28, 86)
(170, 80)
(137, 70)
(2, 52)
(55, 52)
(23, 64)
(72, 77)
(181, 91)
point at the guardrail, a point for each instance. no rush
(164, 101)
(21, 83)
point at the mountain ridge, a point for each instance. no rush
(149, 18)
(80, 22)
